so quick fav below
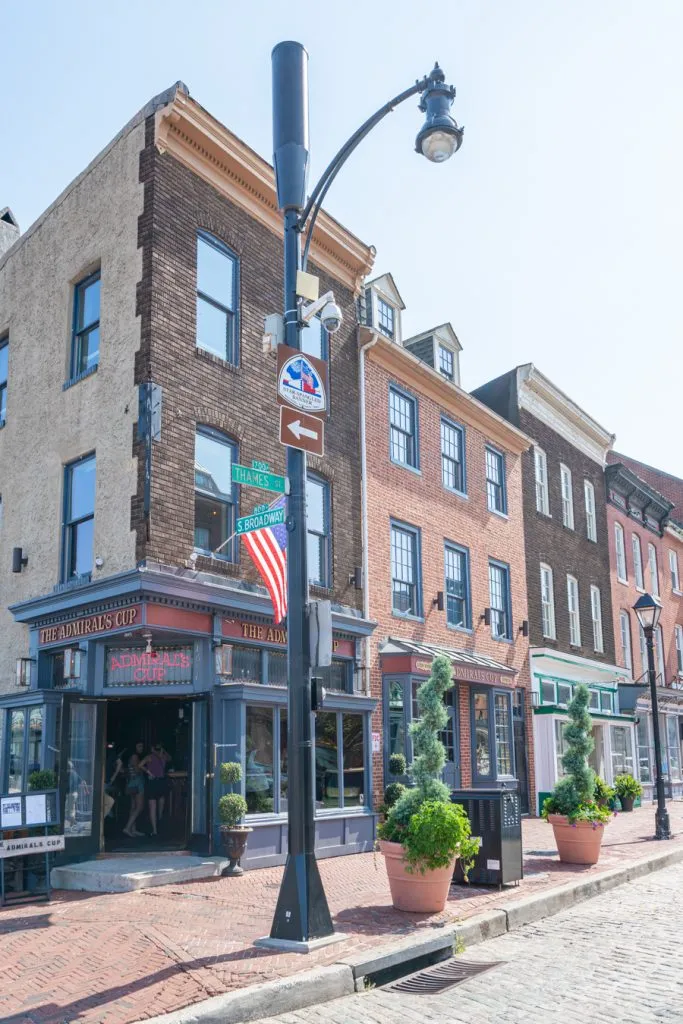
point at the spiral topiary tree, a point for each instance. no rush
(577, 788)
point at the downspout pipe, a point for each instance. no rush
(364, 497)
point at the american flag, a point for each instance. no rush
(268, 551)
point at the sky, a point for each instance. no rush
(553, 236)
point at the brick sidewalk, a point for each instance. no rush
(120, 958)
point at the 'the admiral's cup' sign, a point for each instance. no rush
(302, 381)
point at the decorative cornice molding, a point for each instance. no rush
(191, 135)
(453, 399)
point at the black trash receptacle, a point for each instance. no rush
(495, 816)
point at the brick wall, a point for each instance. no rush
(566, 551)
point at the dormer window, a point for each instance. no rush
(385, 317)
(446, 362)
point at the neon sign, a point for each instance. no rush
(128, 666)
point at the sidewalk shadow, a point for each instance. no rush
(24, 924)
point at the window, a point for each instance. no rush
(589, 501)
(573, 607)
(596, 615)
(567, 498)
(482, 746)
(620, 552)
(548, 694)
(560, 746)
(79, 520)
(314, 339)
(499, 590)
(85, 338)
(659, 651)
(564, 693)
(452, 456)
(318, 526)
(15, 743)
(547, 602)
(541, 474)
(265, 779)
(4, 366)
(674, 746)
(385, 317)
(678, 636)
(492, 753)
(495, 481)
(217, 298)
(625, 631)
(503, 734)
(637, 561)
(654, 575)
(643, 649)
(622, 750)
(457, 586)
(339, 760)
(673, 565)
(594, 699)
(80, 775)
(643, 741)
(446, 363)
(606, 701)
(214, 496)
(404, 571)
(403, 428)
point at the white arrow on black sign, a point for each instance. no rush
(300, 431)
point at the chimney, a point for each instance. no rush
(9, 230)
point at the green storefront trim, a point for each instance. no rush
(567, 661)
(555, 709)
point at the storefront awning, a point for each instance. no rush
(408, 655)
(668, 699)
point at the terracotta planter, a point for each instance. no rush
(627, 802)
(416, 893)
(234, 841)
(579, 843)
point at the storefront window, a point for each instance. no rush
(17, 726)
(80, 770)
(622, 750)
(35, 739)
(283, 760)
(642, 735)
(277, 668)
(560, 746)
(333, 729)
(397, 730)
(664, 747)
(674, 748)
(246, 664)
(326, 766)
(447, 737)
(353, 751)
(335, 676)
(258, 788)
(482, 747)
(503, 735)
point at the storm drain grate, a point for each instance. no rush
(440, 976)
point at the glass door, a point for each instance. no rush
(519, 739)
(201, 773)
(450, 738)
(81, 773)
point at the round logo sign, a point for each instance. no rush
(300, 385)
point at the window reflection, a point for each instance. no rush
(259, 790)
(481, 734)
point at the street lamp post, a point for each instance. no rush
(302, 914)
(648, 609)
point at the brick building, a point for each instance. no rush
(568, 570)
(445, 550)
(137, 615)
(646, 555)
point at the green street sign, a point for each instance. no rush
(258, 520)
(254, 476)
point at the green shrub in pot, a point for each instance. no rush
(230, 773)
(45, 778)
(397, 764)
(231, 809)
(627, 787)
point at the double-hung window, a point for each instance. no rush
(620, 552)
(452, 456)
(567, 497)
(541, 474)
(446, 363)
(678, 636)
(85, 338)
(214, 493)
(643, 649)
(403, 428)
(573, 608)
(385, 317)
(458, 611)
(492, 735)
(637, 561)
(217, 298)
(673, 565)
(495, 481)
(547, 602)
(659, 651)
(405, 569)
(4, 365)
(654, 574)
(79, 520)
(318, 527)
(625, 632)
(499, 592)
(596, 615)
(589, 502)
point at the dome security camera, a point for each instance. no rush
(331, 317)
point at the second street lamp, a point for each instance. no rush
(648, 609)
(302, 914)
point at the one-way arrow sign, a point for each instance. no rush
(298, 430)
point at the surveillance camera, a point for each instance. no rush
(331, 317)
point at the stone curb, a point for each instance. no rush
(321, 984)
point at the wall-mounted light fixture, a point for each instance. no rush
(19, 559)
(524, 628)
(486, 617)
(438, 602)
(24, 671)
(356, 578)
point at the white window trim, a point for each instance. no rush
(541, 480)
(638, 575)
(619, 532)
(574, 614)
(675, 575)
(659, 654)
(626, 651)
(568, 497)
(596, 607)
(548, 608)
(591, 516)
(652, 564)
(678, 639)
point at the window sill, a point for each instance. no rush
(501, 515)
(467, 630)
(404, 465)
(620, 579)
(211, 357)
(678, 593)
(79, 377)
(502, 639)
(541, 512)
(407, 617)
(455, 492)
(205, 563)
(321, 589)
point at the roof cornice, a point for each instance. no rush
(540, 397)
(190, 134)
(453, 399)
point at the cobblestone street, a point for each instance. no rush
(613, 958)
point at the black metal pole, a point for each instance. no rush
(302, 913)
(662, 826)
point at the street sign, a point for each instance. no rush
(302, 381)
(259, 520)
(301, 431)
(253, 476)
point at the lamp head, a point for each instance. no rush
(648, 609)
(440, 137)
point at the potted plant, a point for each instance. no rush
(628, 790)
(397, 764)
(577, 818)
(231, 809)
(424, 832)
(43, 778)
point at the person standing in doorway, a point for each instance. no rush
(155, 765)
(135, 789)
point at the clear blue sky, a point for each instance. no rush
(554, 235)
